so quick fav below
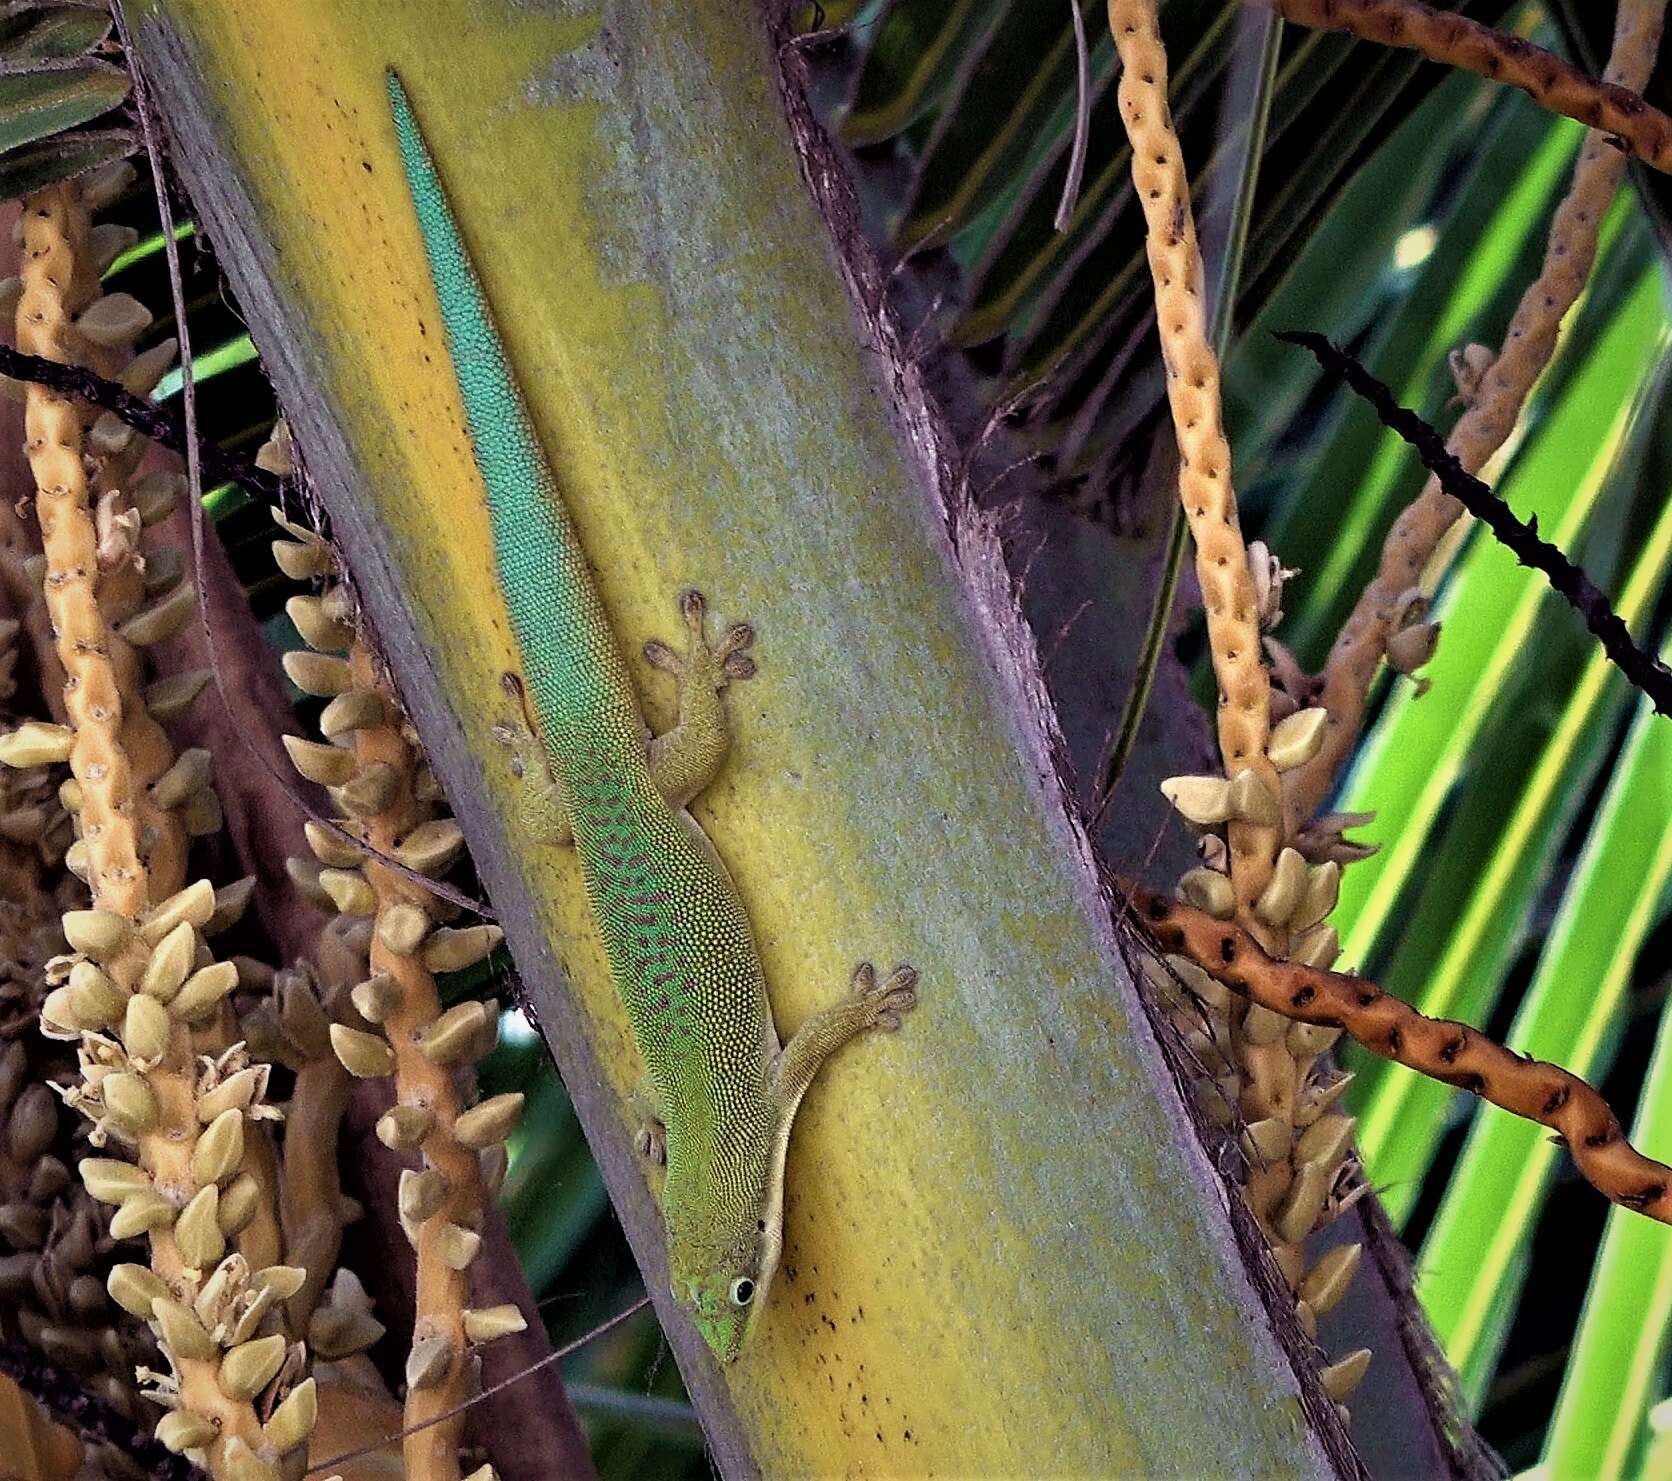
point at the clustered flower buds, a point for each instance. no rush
(390, 837)
(138, 988)
(1258, 1075)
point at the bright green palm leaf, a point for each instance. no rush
(1617, 1367)
(1417, 754)
(1468, 1272)
(1464, 285)
(228, 356)
(1478, 909)
(1266, 382)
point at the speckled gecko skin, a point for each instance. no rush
(677, 939)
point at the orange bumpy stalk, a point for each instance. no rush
(1205, 488)
(1450, 1052)
(1442, 36)
(441, 1382)
(1257, 1067)
(1494, 406)
(54, 223)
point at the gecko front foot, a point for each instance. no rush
(702, 665)
(688, 757)
(885, 1002)
(539, 813)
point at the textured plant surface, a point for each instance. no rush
(1439, 1048)
(1262, 1074)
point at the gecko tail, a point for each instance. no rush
(570, 658)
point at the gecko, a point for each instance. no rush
(680, 948)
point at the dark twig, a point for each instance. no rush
(164, 425)
(1519, 536)
(1082, 121)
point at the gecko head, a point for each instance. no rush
(723, 1283)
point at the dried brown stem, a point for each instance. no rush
(1614, 108)
(1528, 344)
(1452, 1053)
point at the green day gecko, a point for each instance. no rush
(679, 944)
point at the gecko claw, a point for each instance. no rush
(513, 741)
(660, 656)
(735, 662)
(517, 738)
(539, 812)
(650, 1140)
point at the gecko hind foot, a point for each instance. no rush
(886, 1001)
(715, 665)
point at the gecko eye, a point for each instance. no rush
(742, 1291)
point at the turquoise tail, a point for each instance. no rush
(573, 669)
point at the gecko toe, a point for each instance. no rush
(660, 656)
(889, 999)
(716, 664)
